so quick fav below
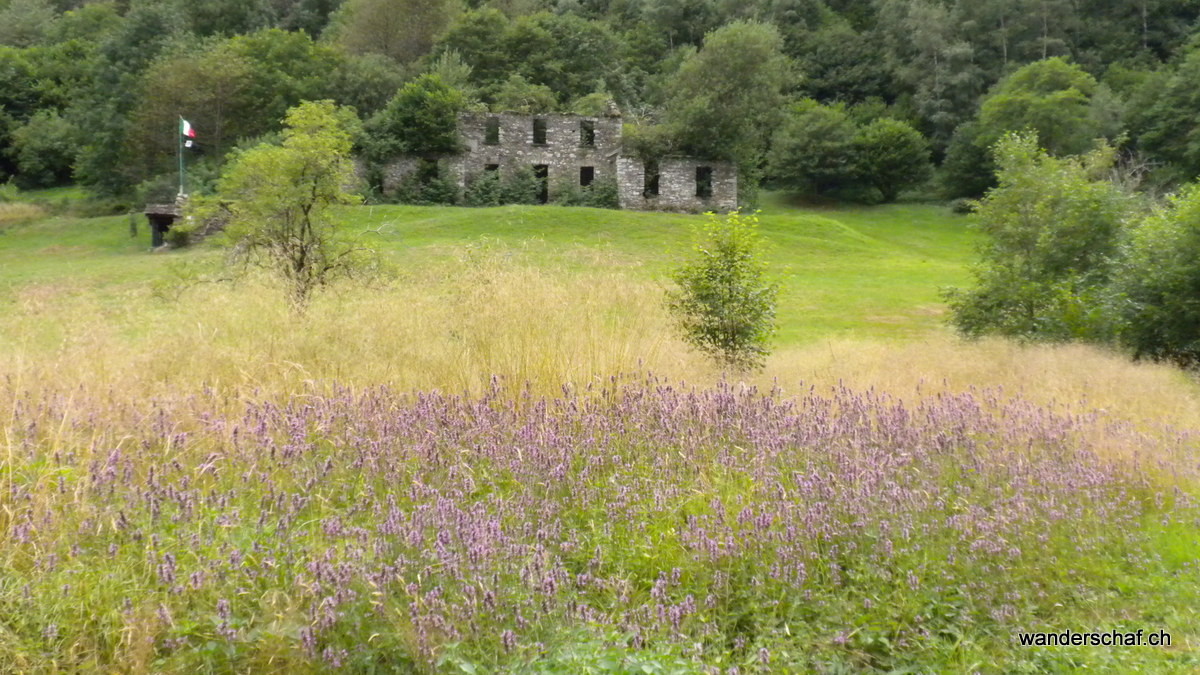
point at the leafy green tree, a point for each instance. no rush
(727, 98)
(1157, 283)
(227, 17)
(968, 169)
(841, 64)
(478, 36)
(286, 69)
(310, 16)
(93, 23)
(594, 105)
(485, 190)
(1167, 124)
(421, 119)
(103, 108)
(365, 82)
(19, 99)
(1052, 98)
(520, 186)
(403, 30)
(210, 88)
(890, 155)
(813, 152)
(722, 303)
(279, 201)
(45, 150)
(24, 23)
(522, 96)
(1052, 227)
(684, 22)
(934, 62)
(565, 53)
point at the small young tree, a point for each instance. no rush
(279, 199)
(723, 304)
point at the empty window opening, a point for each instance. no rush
(427, 170)
(492, 133)
(491, 168)
(587, 174)
(650, 180)
(539, 132)
(542, 173)
(587, 133)
(704, 182)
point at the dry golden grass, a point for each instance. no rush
(15, 213)
(448, 327)
(454, 324)
(1071, 377)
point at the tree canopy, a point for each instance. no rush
(720, 78)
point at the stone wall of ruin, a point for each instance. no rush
(676, 185)
(563, 153)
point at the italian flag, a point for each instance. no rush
(185, 128)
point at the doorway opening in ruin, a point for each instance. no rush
(542, 173)
(704, 185)
(650, 179)
(587, 174)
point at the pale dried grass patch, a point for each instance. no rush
(17, 213)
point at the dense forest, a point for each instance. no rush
(853, 100)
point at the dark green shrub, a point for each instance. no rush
(1052, 227)
(1157, 283)
(602, 194)
(567, 192)
(520, 186)
(485, 190)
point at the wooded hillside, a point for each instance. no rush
(794, 91)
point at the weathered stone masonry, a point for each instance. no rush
(579, 149)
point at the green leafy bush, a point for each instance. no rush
(421, 119)
(1158, 280)
(723, 304)
(890, 156)
(1052, 227)
(520, 186)
(44, 148)
(485, 190)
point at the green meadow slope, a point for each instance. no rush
(905, 502)
(843, 272)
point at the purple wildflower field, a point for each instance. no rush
(714, 529)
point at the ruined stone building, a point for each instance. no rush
(579, 149)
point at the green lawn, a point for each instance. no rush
(844, 272)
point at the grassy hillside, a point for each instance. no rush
(865, 273)
(499, 458)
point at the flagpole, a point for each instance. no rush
(179, 136)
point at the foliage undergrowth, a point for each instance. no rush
(200, 480)
(695, 529)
